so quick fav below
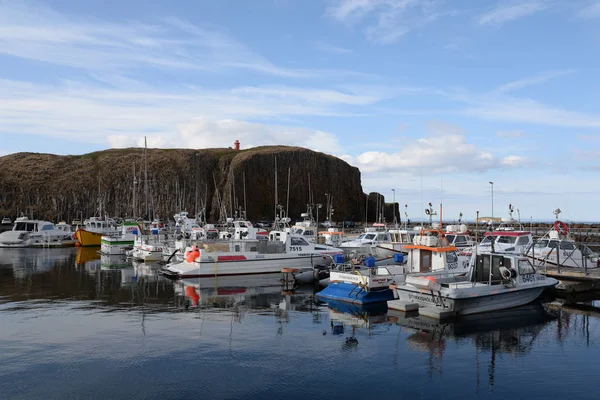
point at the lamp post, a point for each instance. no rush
(492, 183)
(394, 206)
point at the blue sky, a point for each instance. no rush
(432, 98)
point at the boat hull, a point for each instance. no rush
(87, 238)
(116, 247)
(355, 294)
(229, 264)
(467, 304)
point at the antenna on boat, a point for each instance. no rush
(510, 211)
(556, 212)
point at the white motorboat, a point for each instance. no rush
(146, 250)
(243, 257)
(6, 221)
(496, 281)
(35, 233)
(557, 248)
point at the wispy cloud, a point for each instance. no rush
(86, 111)
(387, 20)
(328, 48)
(511, 11)
(534, 80)
(590, 11)
(42, 34)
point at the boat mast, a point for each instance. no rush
(275, 189)
(134, 183)
(145, 176)
(245, 209)
(287, 204)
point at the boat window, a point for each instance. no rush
(296, 241)
(370, 236)
(451, 257)
(242, 225)
(553, 244)
(320, 248)
(482, 268)
(309, 233)
(237, 248)
(523, 240)
(450, 238)
(382, 237)
(460, 240)
(47, 227)
(507, 239)
(486, 240)
(540, 244)
(567, 246)
(525, 268)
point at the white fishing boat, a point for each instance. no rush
(118, 243)
(495, 281)
(557, 248)
(428, 252)
(146, 250)
(244, 257)
(35, 233)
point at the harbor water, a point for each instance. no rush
(74, 325)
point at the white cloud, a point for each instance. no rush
(511, 11)
(541, 78)
(42, 34)
(87, 112)
(509, 134)
(449, 153)
(392, 18)
(529, 111)
(204, 133)
(590, 11)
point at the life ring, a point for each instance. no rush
(561, 228)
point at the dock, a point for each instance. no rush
(573, 280)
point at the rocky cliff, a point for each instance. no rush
(68, 187)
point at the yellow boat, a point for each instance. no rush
(87, 238)
(93, 229)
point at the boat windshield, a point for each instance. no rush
(506, 239)
(542, 243)
(25, 226)
(369, 236)
(362, 236)
(487, 240)
(450, 238)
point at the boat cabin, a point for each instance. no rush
(32, 226)
(506, 241)
(430, 251)
(497, 269)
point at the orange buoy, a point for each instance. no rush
(430, 278)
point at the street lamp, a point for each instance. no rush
(394, 206)
(492, 183)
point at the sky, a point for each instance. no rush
(431, 99)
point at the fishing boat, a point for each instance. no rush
(35, 233)
(146, 250)
(244, 257)
(429, 252)
(93, 229)
(118, 243)
(496, 281)
(557, 248)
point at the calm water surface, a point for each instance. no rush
(73, 325)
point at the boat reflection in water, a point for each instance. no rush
(511, 331)
(344, 316)
(255, 291)
(28, 261)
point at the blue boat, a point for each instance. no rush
(366, 286)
